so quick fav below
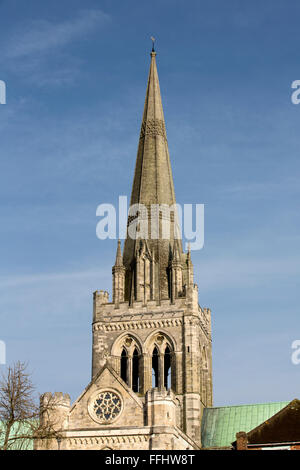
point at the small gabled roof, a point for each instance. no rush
(116, 377)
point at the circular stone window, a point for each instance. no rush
(105, 406)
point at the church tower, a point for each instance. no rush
(151, 361)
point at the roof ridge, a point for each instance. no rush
(249, 404)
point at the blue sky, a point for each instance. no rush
(76, 78)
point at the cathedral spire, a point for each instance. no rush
(153, 181)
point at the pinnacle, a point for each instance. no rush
(119, 259)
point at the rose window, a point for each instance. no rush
(106, 406)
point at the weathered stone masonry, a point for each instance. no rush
(151, 364)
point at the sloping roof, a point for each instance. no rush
(117, 377)
(284, 426)
(220, 424)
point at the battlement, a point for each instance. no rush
(101, 297)
(55, 400)
(156, 394)
(104, 308)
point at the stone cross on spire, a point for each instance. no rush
(153, 41)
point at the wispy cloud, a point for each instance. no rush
(232, 272)
(38, 36)
(261, 189)
(60, 294)
(17, 281)
(38, 50)
(74, 150)
(45, 320)
(219, 273)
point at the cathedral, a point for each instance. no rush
(151, 360)
(151, 384)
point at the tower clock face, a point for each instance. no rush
(105, 406)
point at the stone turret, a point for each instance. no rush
(54, 409)
(54, 413)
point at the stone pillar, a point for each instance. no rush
(241, 441)
(147, 280)
(161, 371)
(129, 371)
(192, 377)
(152, 278)
(147, 373)
(139, 277)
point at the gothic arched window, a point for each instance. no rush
(160, 350)
(129, 351)
(155, 368)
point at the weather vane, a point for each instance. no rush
(153, 40)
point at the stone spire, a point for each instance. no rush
(152, 185)
(153, 182)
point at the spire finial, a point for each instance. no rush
(119, 259)
(153, 41)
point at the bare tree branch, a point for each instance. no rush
(21, 416)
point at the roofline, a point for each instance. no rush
(249, 404)
(274, 444)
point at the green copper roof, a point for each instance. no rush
(220, 424)
(18, 429)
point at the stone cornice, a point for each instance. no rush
(137, 325)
